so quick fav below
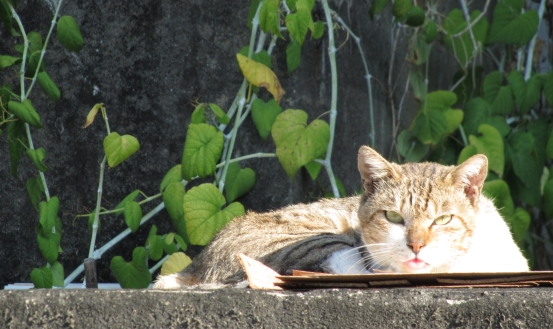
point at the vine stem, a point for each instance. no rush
(532, 44)
(97, 211)
(334, 98)
(368, 77)
(54, 21)
(99, 252)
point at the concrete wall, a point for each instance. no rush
(148, 60)
(244, 308)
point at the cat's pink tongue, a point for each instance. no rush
(416, 264)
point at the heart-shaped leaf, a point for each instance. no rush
(520, 146)
(477, 111)
(264, 115)
(269, 17)
(298, 143)
(35, 189)
(173, 197)
(172, 176)
(499, 97)
(7, 61)
(42, 278)
(48, 242)
(48, 214)
(25, 112)
(313, 168)
(154, 244)
(463, 45)
(119, 148)
(69, 34)
(511, 25)
(120, 208)
(410, 147)
(58, 275)
(318, 30)
(454, 119)
(48, 86)
(429, 128)
(133, 215)
(260, 75)
(490, 143)
(238, 182)
(298, 24)
(133, 274)
(527, 93)
(175, 263)
(439, 100)
(202, 149)
(466, 153)
(37, 156)
(203, 213)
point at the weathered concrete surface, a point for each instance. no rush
(147, 60)
(244, 308)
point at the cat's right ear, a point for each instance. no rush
(373, 168)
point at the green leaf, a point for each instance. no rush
(7, 18)
(202, 150)
(17, 141)
(417, 83)
(298, 143)
(154, 244)
(133, 274)
(221, 116)
(429, 128)
(203, 213)
(377, 6)
(410, 147)
(173, 197)
(430, 32)
(477, 111)
(421, 51)
(253, 10)
(119, 148)
(549, 147)
(175, 263)
(48, 86)
(298, 24)
(548, 199)
(172, 176)
(313, 168)
(48, 214)
(37, 156)
(293, 55)
(25, 112)
(527, 94)
(133, 215)
(415, 16)
(238, 181)
(7, 61)
(58, 275)
(264, 115)
(318, 30)
(269, 17)
(548, 88)
(129, 198)
(198, 115)
(454, 119)
(69, 34)
(490, 143)
(499, 97)
(169, 245)
(499, 123)
(471, 84)
(400, 8)
(182, 244)
(510, 25)
(42, 277)
(466, 153)
(35, 42)
(520, 146)
(463, 45)
(519, 224)
(35, 190)
(439, 100)
(48, 242)
(498, 191)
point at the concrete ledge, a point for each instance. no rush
(244, 308)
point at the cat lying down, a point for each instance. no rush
(411, 218)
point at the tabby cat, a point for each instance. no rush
(411, 218)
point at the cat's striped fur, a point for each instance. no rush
(415, 217)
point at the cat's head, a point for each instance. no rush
(418, 217)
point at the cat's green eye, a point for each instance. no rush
(394, 217)
(442, 220)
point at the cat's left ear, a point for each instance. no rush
(373, 168)
(470, 175)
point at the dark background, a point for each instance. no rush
(150, 60)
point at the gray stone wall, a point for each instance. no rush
(148, 60)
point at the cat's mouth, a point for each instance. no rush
(415, 264)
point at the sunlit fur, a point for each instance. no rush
(352, 235)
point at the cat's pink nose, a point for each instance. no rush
(416, 247)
